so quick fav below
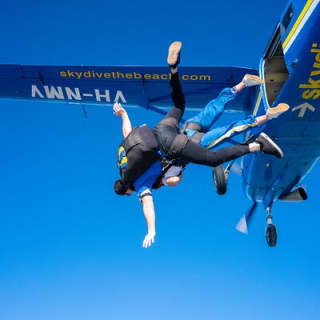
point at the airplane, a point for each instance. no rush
(290, 68)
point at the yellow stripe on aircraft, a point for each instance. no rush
(310, 4)
(296, 25)
(257, 103)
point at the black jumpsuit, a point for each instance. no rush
(178, 146)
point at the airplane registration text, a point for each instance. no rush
(74, 94)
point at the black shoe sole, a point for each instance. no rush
(266, 137)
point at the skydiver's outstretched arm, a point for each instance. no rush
(120, 111)
(149, 215)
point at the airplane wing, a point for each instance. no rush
(147, 87)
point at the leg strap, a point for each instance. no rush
(192, 126)
(177, 145)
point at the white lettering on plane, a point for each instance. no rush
(73, 94)
(303, 108)
(66, 93)
(53, 93)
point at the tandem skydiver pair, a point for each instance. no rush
(144, 154)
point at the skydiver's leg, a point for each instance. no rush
(195, 153)
(215, 108)
(173, 117)
(219, 135)
(167, 130)
(212, 111)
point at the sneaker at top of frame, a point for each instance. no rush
(174, 54)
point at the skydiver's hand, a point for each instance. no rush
(119, 110)
(148, 239)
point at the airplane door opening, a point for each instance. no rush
(274, 68)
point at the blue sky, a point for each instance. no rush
(70, 248)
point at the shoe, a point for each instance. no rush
(268, 146)
(174, 54)
(276, 111)
(250, 80)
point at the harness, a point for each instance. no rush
(140, 149)
(178, 143)
(136, 153)
(197, 136)
(166, 165)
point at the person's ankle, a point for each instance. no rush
(174, 70)
(254, 147)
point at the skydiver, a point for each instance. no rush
(170, 145)
(200, 127)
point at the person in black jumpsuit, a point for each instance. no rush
(174, 145)
(177, 146)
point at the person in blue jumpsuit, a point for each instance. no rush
(200, 128)
(203, 123)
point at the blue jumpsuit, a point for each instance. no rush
(211, 113)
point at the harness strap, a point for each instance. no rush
(166, 165)
(177, 145)
(192, 126)
(196, 138)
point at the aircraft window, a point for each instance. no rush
(286, 19)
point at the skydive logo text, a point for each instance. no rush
(313, 86)
(92, 74)
(67, 93)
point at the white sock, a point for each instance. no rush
(254, 147)
(174, 70)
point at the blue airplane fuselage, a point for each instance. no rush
(290, 68)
